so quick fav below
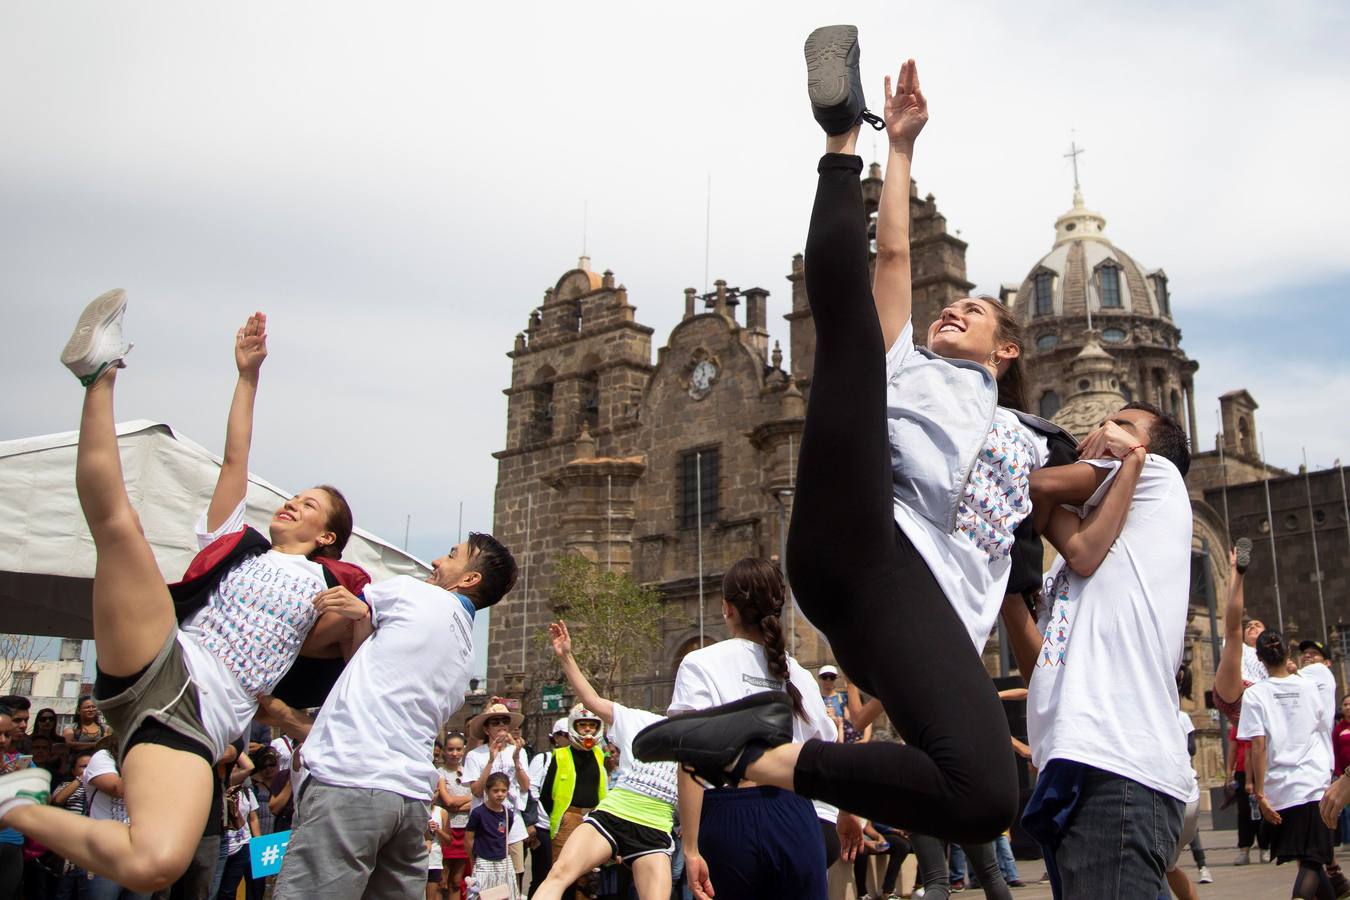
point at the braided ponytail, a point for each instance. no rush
(755, 587)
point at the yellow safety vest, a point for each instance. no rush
(565, 781)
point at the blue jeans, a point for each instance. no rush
(1006, 863)
(956, 863)
(1118, 840)
(1343, 826)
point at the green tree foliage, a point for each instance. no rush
(615, 622)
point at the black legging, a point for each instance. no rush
(862, 583)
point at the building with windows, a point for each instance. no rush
(1086, 287)
(56, 683)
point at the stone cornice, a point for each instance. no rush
(568, 337)
(595, 470)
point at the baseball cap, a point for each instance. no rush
(827, 670)
(560, 726)
(1305, 646)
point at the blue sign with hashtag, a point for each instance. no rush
(267, 852)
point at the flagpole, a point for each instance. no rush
(1317, 564)
(698, 509)
(1270, 519)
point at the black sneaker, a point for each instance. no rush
(1244, 554)
(708, 742)
(833, 81)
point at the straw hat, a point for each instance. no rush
(477, 726)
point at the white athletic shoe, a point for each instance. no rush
(97, 340)
(1244, 858)
(1205, 877)
(1265, 856)
(918, 891)
(31, 785)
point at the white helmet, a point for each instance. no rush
(580, 713)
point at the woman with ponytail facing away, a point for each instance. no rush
(751, 840)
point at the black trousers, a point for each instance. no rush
(862, 583)
(1250, 831)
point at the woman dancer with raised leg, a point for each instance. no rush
(177, 697)
(910, 483)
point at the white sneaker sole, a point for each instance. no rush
(100, 313)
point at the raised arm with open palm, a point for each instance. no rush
(581, 686)
(906, 113)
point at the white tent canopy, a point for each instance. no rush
(47, 554)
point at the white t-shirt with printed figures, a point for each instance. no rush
(249, 633)
(1104, 692)
(1253, 669)
(1296, 723)
(649, 779)
(972, 563)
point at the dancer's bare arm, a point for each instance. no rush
(561, 641)
(1054, 486)
(250, 349)
(1023, 635)
(906, 113)
(343, 624)
(1084, 543)
(691, 810)
(1258, 763)
(292, 722)
(1228, 676)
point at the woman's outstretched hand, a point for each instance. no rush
(250, 344)
(560, 639)
(906, 108)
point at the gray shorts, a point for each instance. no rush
(354, 842)
(163, 693)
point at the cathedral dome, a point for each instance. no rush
(1084, 274)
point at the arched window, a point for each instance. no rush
(1050, 404)
(1108, 284)
(1164, 300)
(1245, 438)
(1045, 301)
(1174, 404)
(590, 400)
(541, 406)
(688, 647)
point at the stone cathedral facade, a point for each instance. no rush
(613, 451)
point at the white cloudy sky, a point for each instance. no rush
(396, 183)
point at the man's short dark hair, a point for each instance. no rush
(5, 710)
(490, 559)
(16, 702)
(1166, 437)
